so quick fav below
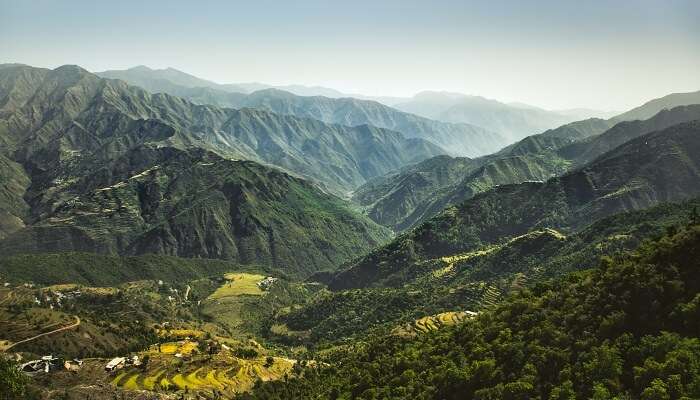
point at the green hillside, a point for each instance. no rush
(474, 280)
(396, 201)
(624, 330)
(69, 115)
(554, 139)
(589, 149)
(660, 166)
(391, 199)
(13, 184)
(652, 107)
(196, 204)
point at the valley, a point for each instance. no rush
(232, 276)
(349, 200)
(194, 336)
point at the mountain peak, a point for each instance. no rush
(140, 68)
(70, 73)
(435, 94)
(71, 68)
(171, 69)
(272, 92)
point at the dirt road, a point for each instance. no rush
(65, 328)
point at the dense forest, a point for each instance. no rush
(624, 330)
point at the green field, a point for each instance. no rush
(238, 284)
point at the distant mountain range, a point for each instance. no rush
(155, 79)
(650, 108)
(403, 199)
(455, 138)
(45, 108)
(514, 120)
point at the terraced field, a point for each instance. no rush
(16, 296)
(223, 373)
(434, 322)
(35, 321)
(181, 333)
(227, 304)
(451, 260)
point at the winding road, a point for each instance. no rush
(65, 328)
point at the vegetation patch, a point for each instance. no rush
(223, 373)
(433, 322)
(239, 284)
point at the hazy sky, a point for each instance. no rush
(556, 54)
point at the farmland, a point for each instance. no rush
(222, 372)
(238, 284)
(433, 322)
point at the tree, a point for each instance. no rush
(600, 392)
(563, 392)
(656, 391)
(13, 383)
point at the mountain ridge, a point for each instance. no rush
(96, 165)
(656, 167)
(457, 138)
(87, 98)
(537, 157)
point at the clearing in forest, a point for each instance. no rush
(238, 284)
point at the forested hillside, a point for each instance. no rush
(627, 329)
(196, 204)
(474, 280)
(404, 199)
(660, 166)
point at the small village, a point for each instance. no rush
(171, 362)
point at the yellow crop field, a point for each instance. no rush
(184, 347)
(61, 287)
(131, 383)
(230, 374)
(150, 382)
(238, 284)
(118, 378)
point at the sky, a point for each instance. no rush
(605, 55)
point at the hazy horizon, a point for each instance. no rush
(555, 55)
